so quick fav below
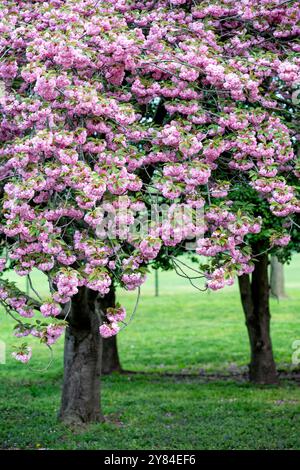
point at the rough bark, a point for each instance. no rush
(255, 301)
(110, 356)
(82, 361)
(277, 279)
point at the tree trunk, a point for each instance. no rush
(277, 278)
(255, 301)
(110, 356)
(82, 361)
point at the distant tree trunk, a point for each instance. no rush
(82, 361)
(255, 301)
(110, 356)
(277, 278)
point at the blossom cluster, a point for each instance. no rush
(113, 316)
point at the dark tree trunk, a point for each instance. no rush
(110, 355)
(82, 361)
(255, 300)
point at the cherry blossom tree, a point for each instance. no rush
(255, 287)
(83, 158)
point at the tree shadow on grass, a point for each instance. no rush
(238, 374)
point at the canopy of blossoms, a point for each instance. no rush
(109, 107)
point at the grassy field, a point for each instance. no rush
(183, 331)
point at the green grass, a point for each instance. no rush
(182, 330)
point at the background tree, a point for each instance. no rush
(81, 162)
(255, 288)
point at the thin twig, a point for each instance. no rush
(134, 310)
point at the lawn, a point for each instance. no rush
(174, 343)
